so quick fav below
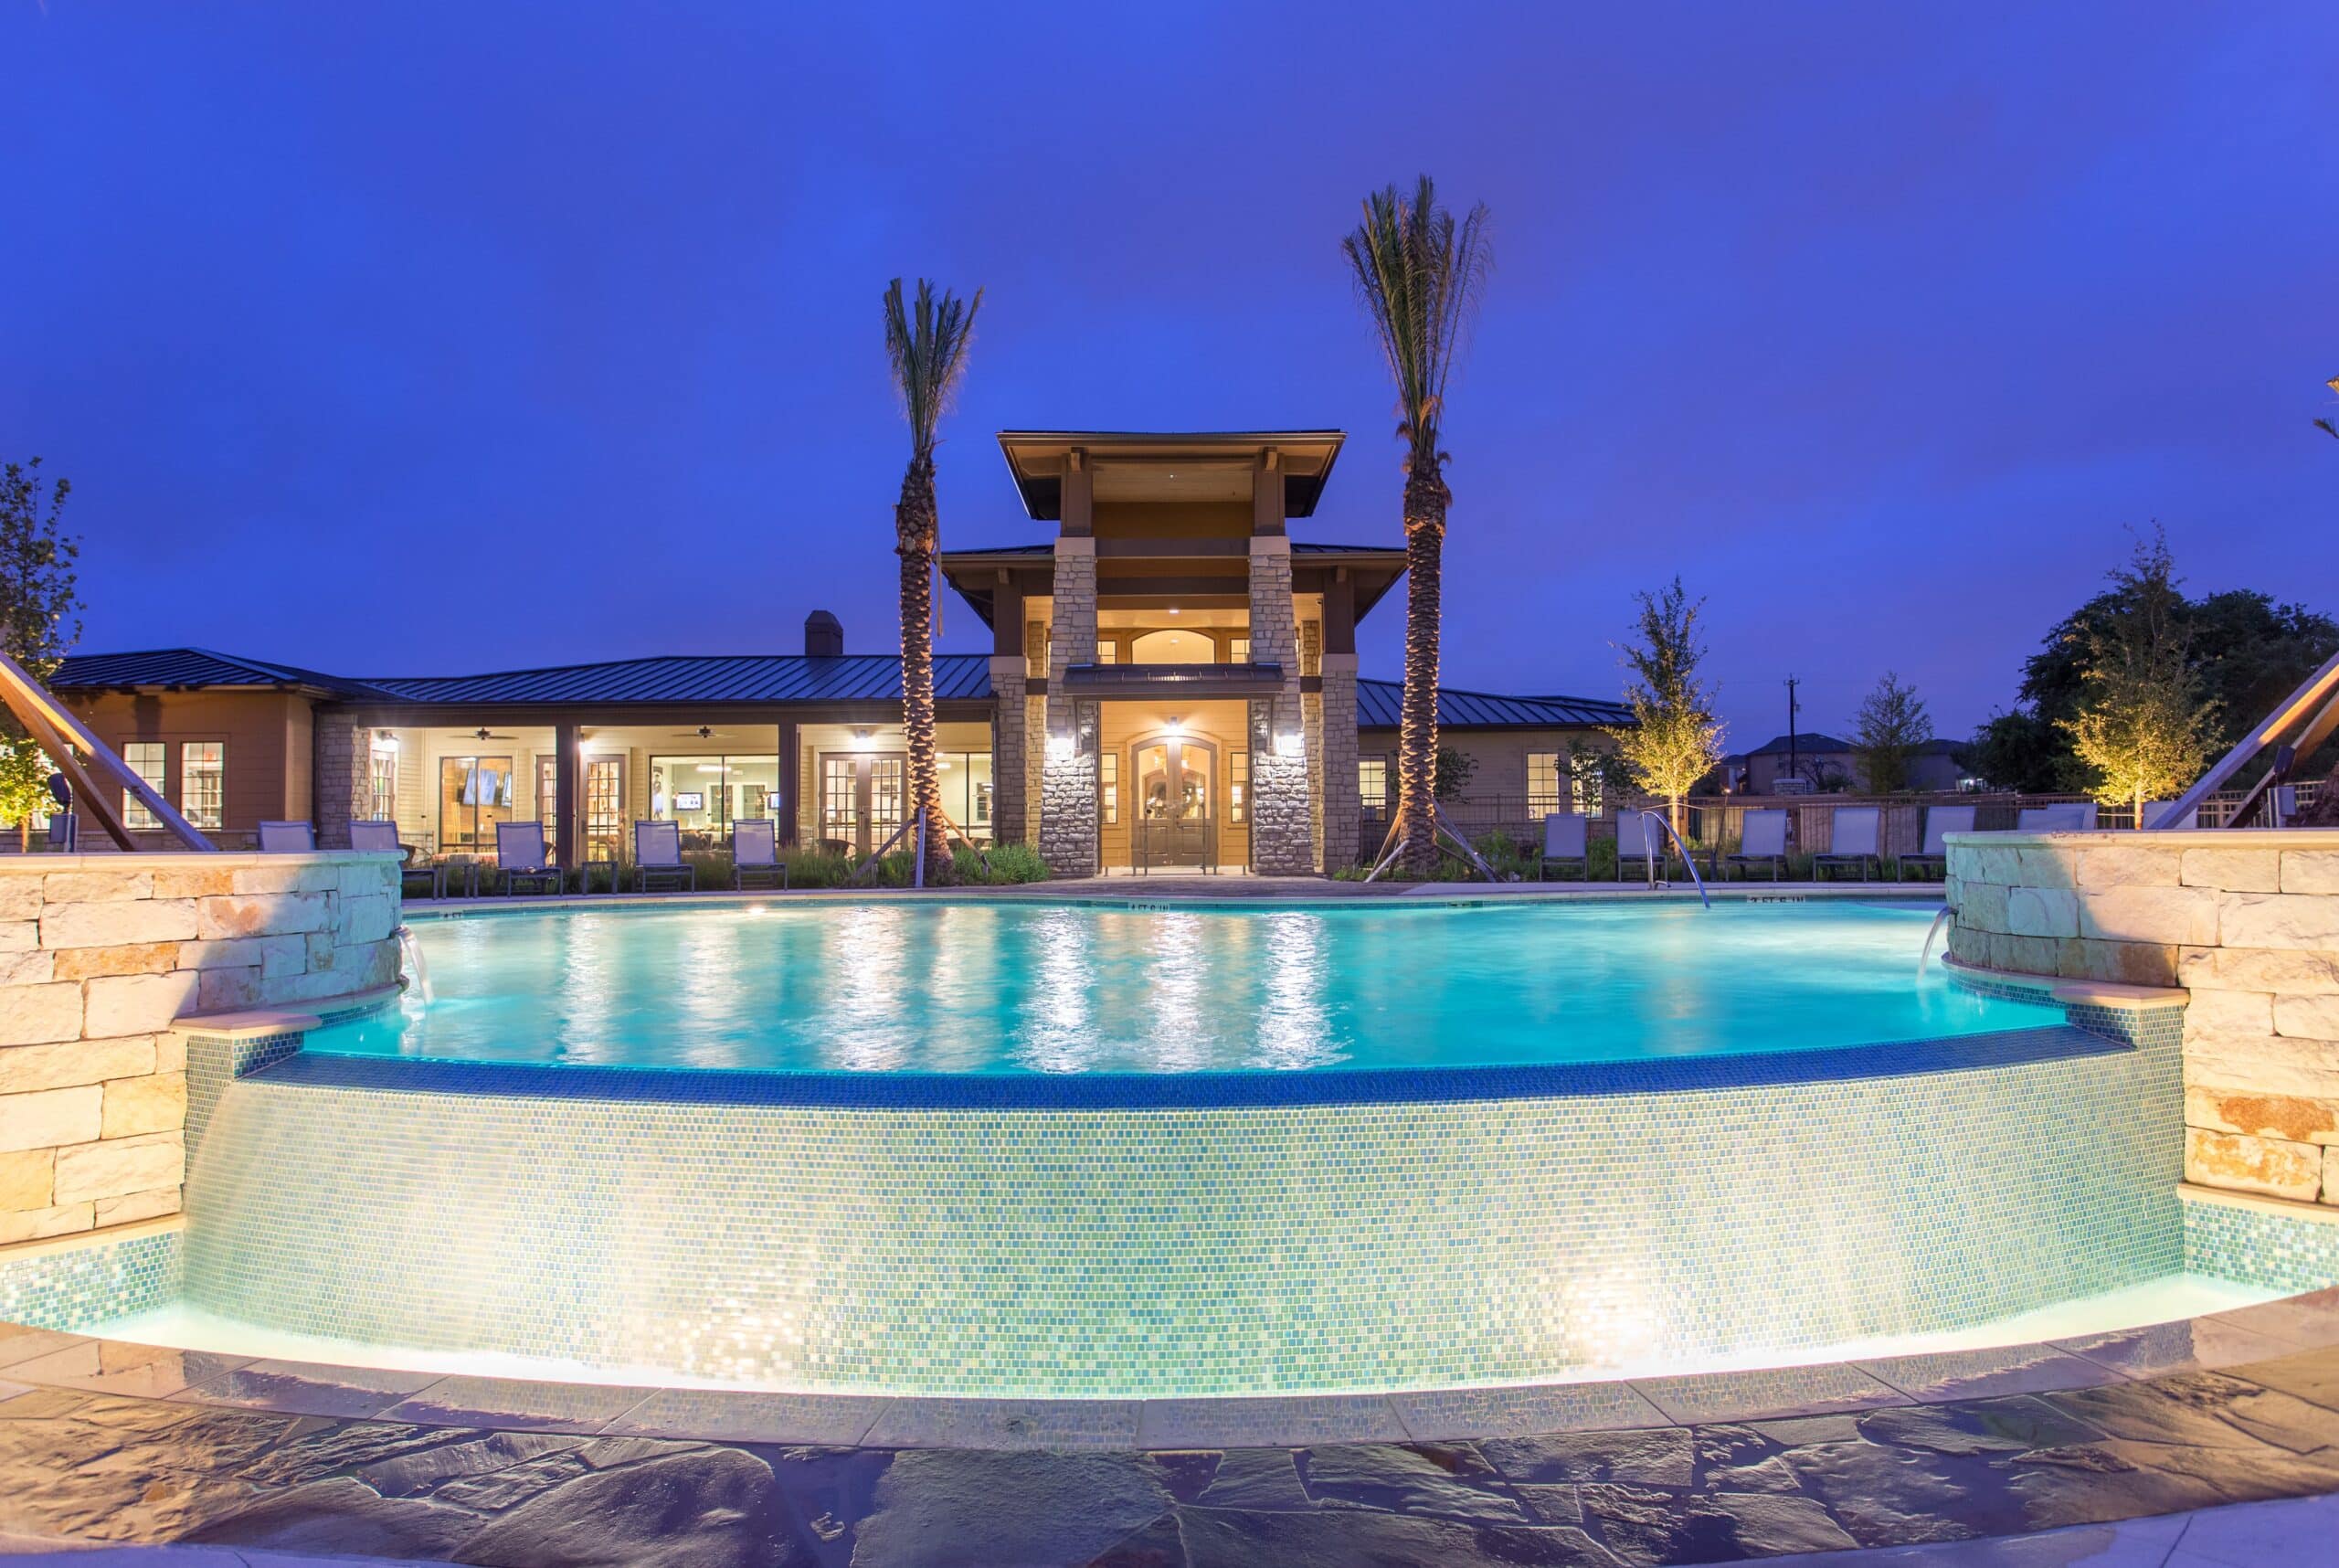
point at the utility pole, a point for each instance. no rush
(1795, 770)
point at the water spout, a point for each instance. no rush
(410, 957)
(1932, 931)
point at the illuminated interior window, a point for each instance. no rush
(145, 759)
(203, 782)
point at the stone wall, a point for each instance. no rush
(343, 793)
(1282, 841)
(1009, 822)
(1343, 809)
(99, 953)
(1068, 768)
(2246, 922)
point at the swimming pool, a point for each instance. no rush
(1018, 988)
(1039, 1148)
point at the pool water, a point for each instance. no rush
(1003, 987)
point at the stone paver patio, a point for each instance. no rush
(2118, 1427)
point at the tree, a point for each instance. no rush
(1419, 273)
(2249, 651)
(927, 346)
(1453, 770)
(39, 620)
(1892, 726)
(1674, 739)
(2145, 727)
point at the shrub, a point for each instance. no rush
(1017, 863)
(817, 868)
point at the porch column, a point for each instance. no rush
(1281, 844)
(563, 789)
(1343, 811)
(342, 789)
(791, 781)
(1068, 774)
(1010, 824)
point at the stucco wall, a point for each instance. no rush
(2247, 922)
(99, 953)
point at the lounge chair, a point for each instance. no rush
(2067, 816)
(382, 838)
(658, 852)
(65, 831)
(754, 852)
(287, 838)
(1566, 838)
(1851, 843)
(1934, 855)
(1761, 841)
(2153, 808)
(520, 853)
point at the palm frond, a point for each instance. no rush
(1419, 274)
(927, 342)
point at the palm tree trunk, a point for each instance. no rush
(1425, 502)
(916, 527)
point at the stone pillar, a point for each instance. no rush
(343, 793)
(1311, 726)
(1280, 841)
(1068, 773)
(1343, 809)
(1009, 749)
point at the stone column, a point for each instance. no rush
(1008, 748)
(1280, 841)
(1068, 774)
(343, 793)
(1343, 811)
(1311, 726)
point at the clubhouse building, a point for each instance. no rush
(1171, 681)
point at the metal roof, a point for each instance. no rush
(1298, 547)
(191, 667)
(746, 678)
(1377, 705)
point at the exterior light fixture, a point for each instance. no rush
(1175, 728)
(1289, 744)
(862, 740)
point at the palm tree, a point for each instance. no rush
(1419, 273)
(929, 349)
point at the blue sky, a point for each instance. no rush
(425, 338)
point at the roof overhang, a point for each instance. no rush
(1036, 459)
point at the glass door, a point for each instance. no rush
(1174, 824)
(863, 797)
(605, 807)
(888, 787)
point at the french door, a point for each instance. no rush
(863, 797)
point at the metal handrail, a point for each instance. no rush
(1680, 847)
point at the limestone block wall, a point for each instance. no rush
(1008, 748)
(2247, 923)
(98, 954)
(1068, 767)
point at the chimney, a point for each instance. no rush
(823, 637)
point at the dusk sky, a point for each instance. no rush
(417, 339)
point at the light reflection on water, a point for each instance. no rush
(892, 986)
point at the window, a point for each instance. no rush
(474, 794)
(203, 782)
(707, 794)
(1373, 784)
(1543, 775)
(1238, 650)
(1107, 653)
(604, 808)
(1108, 785)
(965, 777)
(145, 759)
(382, 779)
(1238, 786)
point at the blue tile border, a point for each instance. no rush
(1162, 1091)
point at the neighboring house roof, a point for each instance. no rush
(746, 678)
(1810, 743)
(190, 667)
(1298, 547)
(1377, 704)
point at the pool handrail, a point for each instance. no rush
(1649, 848)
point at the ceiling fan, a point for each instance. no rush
(483, 733)
(704, 732)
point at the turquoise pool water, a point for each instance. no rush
(1001, 987)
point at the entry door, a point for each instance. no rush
(862, 797)
(1170, 796)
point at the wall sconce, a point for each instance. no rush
(1290, 744)
(862, 740)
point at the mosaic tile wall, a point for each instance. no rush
(85, 1285)
(2252, 1246)
(670, 1220)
